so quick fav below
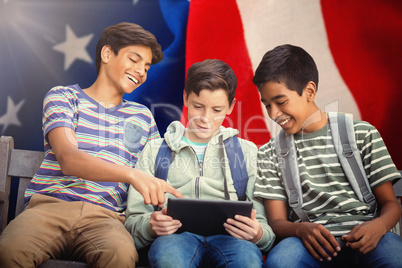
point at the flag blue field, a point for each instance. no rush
(49, 43)
(356, 45)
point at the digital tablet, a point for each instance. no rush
(206, 217)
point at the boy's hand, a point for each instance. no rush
(163, 224)
(153, 189)
(364, 237)
(244, 227)
(316, 238)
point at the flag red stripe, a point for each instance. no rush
(215, 30)
(365, 40)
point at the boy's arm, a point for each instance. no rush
(364, 237)
(315, 237)
(381, 171)
(75, 162)
(255, 228)
(142, 221)
(144, 224)
(137, 219)
(267, 239)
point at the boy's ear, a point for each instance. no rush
(231, 106)
(185, 97)
(311, 91)
(106, 53)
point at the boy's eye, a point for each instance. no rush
(197, 106)
(133, 60)
(281, 103)
(217, 110)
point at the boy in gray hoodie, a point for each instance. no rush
(197, 172)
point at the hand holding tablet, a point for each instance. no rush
(206, 217)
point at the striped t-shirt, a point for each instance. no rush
(116, 135)
(199, 148)
(328, 198)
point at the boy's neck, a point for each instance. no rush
(314, 122)
(193, 142)
(103, 94)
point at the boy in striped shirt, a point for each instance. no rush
(76, 201)
(341, 229)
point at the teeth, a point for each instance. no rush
(132, 79)
(284, 122)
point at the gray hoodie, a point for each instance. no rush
(193, 180)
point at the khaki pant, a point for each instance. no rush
(53, 228)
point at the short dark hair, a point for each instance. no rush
(125, 34)
(289, 65)
(211, 74)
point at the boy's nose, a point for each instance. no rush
(206, 116)
(275, 112)
(204, 120)
(140, 70)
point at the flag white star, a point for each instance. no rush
(10, 117)
(74, 48)
(135, 2)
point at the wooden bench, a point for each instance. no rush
(22, 165)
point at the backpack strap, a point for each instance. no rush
(342, 129)
(162, 161)
(287, 159)
(223, 166)
(235, 157)
(237, 166)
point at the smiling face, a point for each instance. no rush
(206, 113)
(128, 69)
(290, 110)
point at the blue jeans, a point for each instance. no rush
(290, 252)
(191, 250)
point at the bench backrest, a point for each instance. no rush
(19, 165)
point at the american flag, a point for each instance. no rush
(356, 45)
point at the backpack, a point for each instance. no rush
(235, 158)
(342, 131)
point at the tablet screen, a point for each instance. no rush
(206, 217)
